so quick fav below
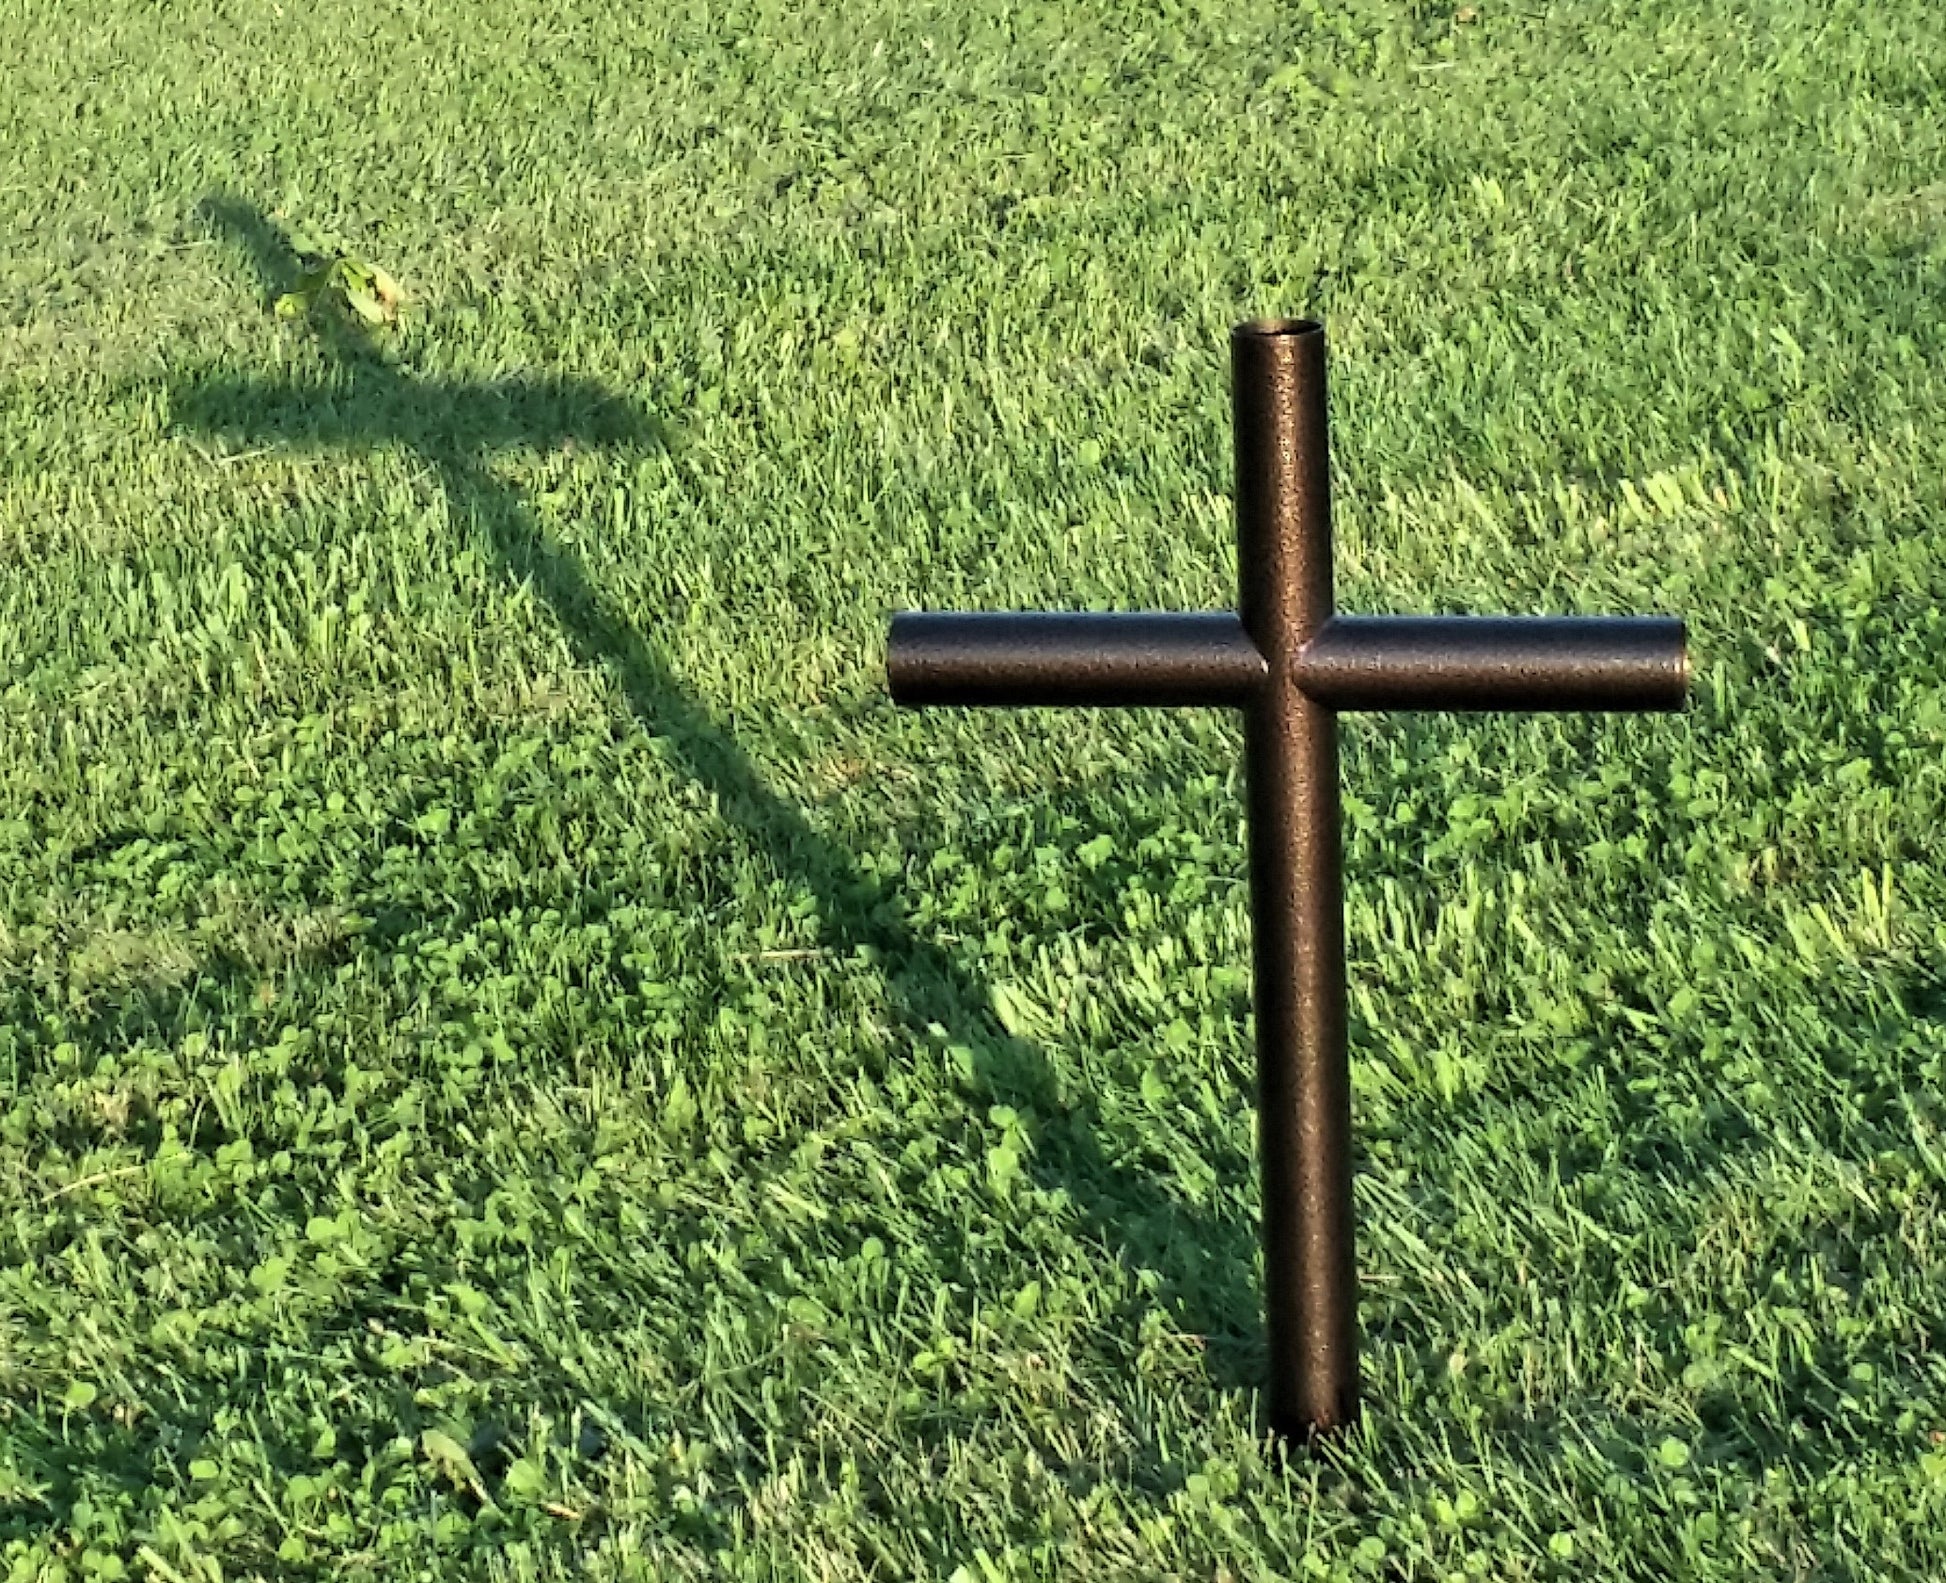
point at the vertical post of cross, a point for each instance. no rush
(1283, 512)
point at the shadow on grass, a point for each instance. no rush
(363, 399)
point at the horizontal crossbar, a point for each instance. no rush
(1623, 663)
(1101, 659)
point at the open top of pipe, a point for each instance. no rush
(1270, 327)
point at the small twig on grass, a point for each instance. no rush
(803, 955)
(93, 1181)
(225, 461)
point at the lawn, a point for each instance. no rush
(519, 1063)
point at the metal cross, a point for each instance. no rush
(1291, 663)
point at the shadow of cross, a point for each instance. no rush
(1290, 663)
(365, 401)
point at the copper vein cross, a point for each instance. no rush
(1291, 663)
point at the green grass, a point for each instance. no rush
(519, 1064)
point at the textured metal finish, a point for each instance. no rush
(1297, 916)
(1633, 663)
(1290, 663)
(1014, 658)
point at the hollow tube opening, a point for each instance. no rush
(1269, 328)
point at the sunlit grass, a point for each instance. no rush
(522, 1065)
